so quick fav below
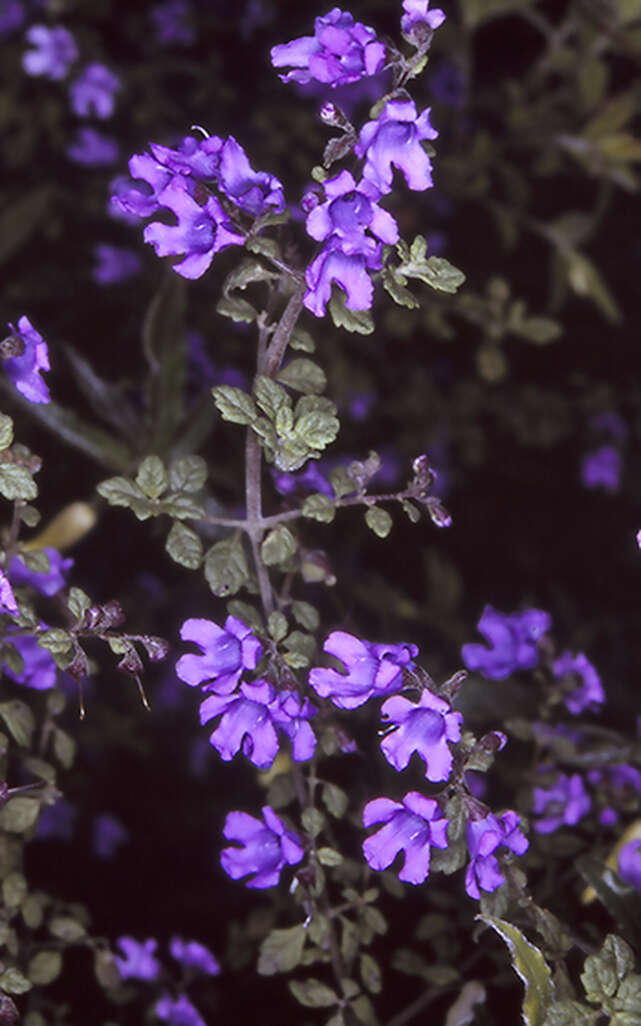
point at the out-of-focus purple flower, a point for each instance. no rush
(265, 848)
(340, 51)
(250, 719)
(630, 863)
(513, 639)
(255, 15)
(114, 264)
(193, 955)
(346, 263)
(602, 469)
(178, 1012)
(619, 787)
(311, 479)
(565, 802)
(94, 92)
(394, 140)
(137, 961)
(360, 405)
(484, 836)
(372, 670)
(424, 727)
(447, 84)
(610, 425)
(54, 53)
(590, 691)
(349, 210)
(56, 822)
(108, 834)
(256, 192)
(8, 602)
(413, 826)
(226, 652)
(92, 148)
(201, 232)
(24, 370)
(171, 21)
(48, 583)
(11, 17)
(416, 13)
(39, 670)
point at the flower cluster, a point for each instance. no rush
(25, 355)
(340, 52)
(513, 640)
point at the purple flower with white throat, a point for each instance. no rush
(54, 53)
(513, 639)
(425, 727)
(372, 670)
(137, 961)
(48, 582)
(564, 803)
(92, 148)
(32, 357)
(347, 263)
(413, 826)
(394, 140)
(201, 232)
(417, 15)
(93, 92)
(484, 837)
(251, 718)
(193, 955)
(349, 210)
(256, 192)
(589, 692)
(265, 848)
(340, 51)
(225, 653)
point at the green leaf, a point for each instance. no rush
(335, 800)
(237, 309)
(329, 856)
(270, 396)
(99, 445)
(319, 507)
(181, 507)
(602, 973)
(152, 477)
(627, 1003)
(20, 721)
(14, 890)
(234, 405)
(313, 821)
(31, 911)
(358, 321)
(306, 615)
(13, 982)
(370, 974)
(78, 603)
(304, 376)
(398, 291)
(21, 217)
(248, 614)
(301, 645)
(64, 748)
(620, 899)
(16, 482)
(19, 815)
(6, 431)
(281, 951)
(164, 346)
(44, 968)
(120, 491)
(302, 340)
(279, 546)
(313, 994)
(316, 422)
(184, 546)
(277, 626)
(379, 521)
(435, 271)
(55, 640)
(37, 561)
(188, 474)
(67, 929)
(586, 281)
(108, 400)
(30, 516)
(226, 569)
(531, 967)
(106, 969)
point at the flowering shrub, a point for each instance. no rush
(351, 343)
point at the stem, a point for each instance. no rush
(14, 531)
(253, 524)
(283, 333)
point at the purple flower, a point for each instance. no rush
(56, 822)
(178, 1012)
(92, 149)
(602, 469)
(413, 826)
(447, 86)
(250, 719)
(11, 17)
(114, 264)
(108, 834)
(394, 139)
(265, 847)
(138, 962)
(93, 92)
(513, 639)
(416, 13)
(197, 157)
(49, 582)
(484, 836)
(201, 232)
(619, 788)
(424, 727)
(24, 370)
(630, 863)
(39, 670)
(311, 479)
(136, 201)
(610, 424)
(226, 652)
(55, 50)
(193, 955)
(171, 22)
(589, 692)
(346, 263)
(340, 51)
(8, 602)
(349, 210)
(566, 802)
(256, 192)
(372, 670)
